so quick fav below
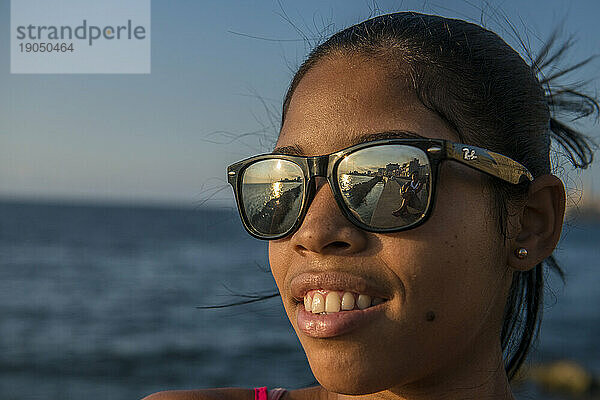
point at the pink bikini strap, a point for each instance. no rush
(260, 393)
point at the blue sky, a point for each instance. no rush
(163, 137)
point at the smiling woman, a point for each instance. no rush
(423, 295)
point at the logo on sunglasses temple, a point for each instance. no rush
(469, 154)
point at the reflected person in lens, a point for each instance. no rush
(410, 195)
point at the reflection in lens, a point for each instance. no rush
(272, 195)
(386, 186)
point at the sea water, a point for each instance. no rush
(99, 302)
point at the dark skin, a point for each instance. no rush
(440, 337)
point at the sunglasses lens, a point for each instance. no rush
(272, 193)
(386, 186)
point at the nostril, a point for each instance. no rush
(339, 245)
(299, 248)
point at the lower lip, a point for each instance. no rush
(336, 324)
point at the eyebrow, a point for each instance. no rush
(296, 150)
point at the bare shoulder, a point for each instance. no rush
(204, 394)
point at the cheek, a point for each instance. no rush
(279, 263)
(451, 266)
(276, 257)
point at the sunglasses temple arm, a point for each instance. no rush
(486, 161)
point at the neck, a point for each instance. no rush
(478, 375)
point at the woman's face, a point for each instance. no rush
(445, 281)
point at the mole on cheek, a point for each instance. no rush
(430, 316)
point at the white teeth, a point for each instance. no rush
(318, 303)
(308, 303)
(332, 302)
(363, 301)
(347, 301)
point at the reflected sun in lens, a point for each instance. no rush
(277, 189)
(345, 182)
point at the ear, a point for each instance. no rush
(540, 223)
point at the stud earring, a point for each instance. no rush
(521, 253)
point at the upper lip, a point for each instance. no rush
(334, 280)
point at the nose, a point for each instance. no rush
(325, 230)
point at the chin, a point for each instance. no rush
(348, 376)
(352, 368)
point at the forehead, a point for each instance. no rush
(347, 99)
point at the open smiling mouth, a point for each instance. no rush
(329, 313)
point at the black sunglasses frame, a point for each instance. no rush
(436, 150)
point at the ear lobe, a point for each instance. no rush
(540, 223)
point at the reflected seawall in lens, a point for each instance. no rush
(271, 219)
(358, 192)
